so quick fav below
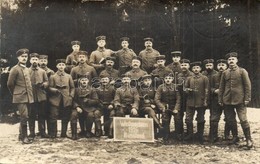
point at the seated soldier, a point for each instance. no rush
(86, 99)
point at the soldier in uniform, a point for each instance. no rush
(124, 56)
(136, 72)
(40, 83)
(235, 93)
(148, 55)
(175, 66)
(167, 99)
(182, 78)
(106, 93)
(147, 103)
(62, 90)
(86, 100)
(196, 87)
(109, 70)
(19, 84)
(100, 54)
(72, 58)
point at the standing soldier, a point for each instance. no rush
(136, 72)
(109, 70)
(20, 86)
(124, 56)
(106, 94)
(182, 78)
(197, 90)
(43, 62)
(167, 99)
(147, 103)
(148, 55)
(175, 66)
(72, 58)
(62, 91)
(39, 82)
(100, 54)
(235, 93)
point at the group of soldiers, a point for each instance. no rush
(86, 87)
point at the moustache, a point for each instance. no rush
(135, 65)
(109, 64)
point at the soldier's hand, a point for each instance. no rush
(134, 111)
(44, 85)
(221, 104)
(175, 111)
(153, 106)
(216, 91)
(79, 110)
(110, 107)
(246, 102)
(163, 110)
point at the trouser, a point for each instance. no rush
(106, 113)
(23, 111)
(93, 117)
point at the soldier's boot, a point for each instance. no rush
(111, 135)
(200, 129)
(42, 128)
(233, 127)
(64, 127)
(166, 131)
(98, 128)
(226, 132)
(20, 133)
(82, 127)
(31, 129)
(48, 127)
(179, 130)
(213, 137)
(89, 124)
(53, 129)
(24, 136)
(74, 131)
(189, 136)
(247, 133)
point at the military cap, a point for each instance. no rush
(83, 76)
(185, 61)
(136, 58)
(207, 61)
(60, 61)
(124, 39)
(75, 42)
(104, 75)
(100, 38)
(22, 51)
(160, 57)
(196, 63)
(221, 61)
(145, 77)
(148, 39)
(176, 53)
(107, 58)
(169, 75)
(83, 53)
(125, 75)
(34, 55)
(231, 54)
(43, 56)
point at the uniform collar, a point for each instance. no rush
(60, 73)
(22, 65)
(149, 50)
(197, 76)
(84, 65)
(34, 68)
(109, 69)
(101, 49)
(135, 70)
(233, 68)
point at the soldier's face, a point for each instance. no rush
(185, 66)
(232, 61)
(84, 82)
(101, 43)
(222, 67)
(43, 62)
(168, 79)
(23, 58)
(161, 63)
(82, 59)
(76, 48)
(61, 66)
(196, 69)
(126, 80)
(34, 61)
(176, 59)
(136, 63)
(110, 63)
(209, 66)
(105, 81)
(148, 44)
(125, 44)
(147, 82)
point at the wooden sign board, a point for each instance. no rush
(133, 129)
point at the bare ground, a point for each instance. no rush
(106, 151)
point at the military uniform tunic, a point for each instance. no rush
(148, 57)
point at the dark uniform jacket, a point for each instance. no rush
(72, 60)
(112, 73)
(38, 78)
(200, 85)
(210, 76)
(175, 67)
(63, 82)
(87, 99)
(19, 84)
(235, 86)
(97, 55)
(83, 69)
(106, 94)
(48, 71)
(166, 94)
(162, 71)
(124, 57)
(147, 96)
(136, 73)
(127, 96)
(148, 57)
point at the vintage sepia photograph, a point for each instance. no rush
(129, 81)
